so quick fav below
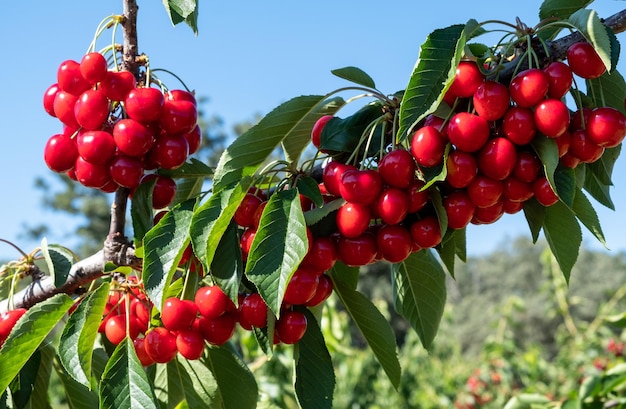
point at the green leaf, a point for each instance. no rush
(22, 385)
(192, 169)
(59, 261)
(548, 152)
(372, 324)
(452, 245)
(183, 11)
(124, 382)
(29, 332)
(587, 215)
(141, 210)
(564, 236)
(356, 75)
(211, 219)
(188, 189)
(419, 289)
(164, 246)
(565, 182)
(608, 90)
(561, 9)
(79, 335)
(435, 68)
(39, 397)
(195, 382)
(535, 214)
(227, 266)
(300, 137)
(617, 320)
(279, 246)
(599, 174)
(247, 153)
(77, 395)
(346, 274)
(309, 187)
(526, 401)
(235, 382)
(590, 26)
(315, 216)
(315, 375)
(345, 134)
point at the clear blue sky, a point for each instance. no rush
(248, 58)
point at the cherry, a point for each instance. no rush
(70, 79)
(64, 108)
(510, 207)
(552, 117)
(579, 119)
(394, 242)
(291, 326)
(468, 132)
(397, 168)
(245, 214)
(466, 80)
(360, 186)
(543, 192)
(190, 344)
(178, 116)
(316, 131)
(247, 237)
(115, 329)
(563, 142)
(583, 147)
(91, 175)
(497, 158)
(96, 147)
(418, 198)
(459, 209)
(516, 190)
(438, 123)
(164, 192)
(426, 232)
(560, 79)
(485, 191)
(217, 331)
(488, 215)
(584, 61)
(91, 109)
(160, 344)
(461, 168)
(253, 311)
(519, 125)
(322, 254)
(212, 302)
(93, 67)
(194, 139)
(301, 287)
(353, 219)
(117, 84)
(140, 349)
(491, 100)
(170, 151)
(357, 251)
(8, 319)
(178, 314)
(60, 153)
(527, 166)
(331, 176)
(144, 104)
(126, 171)
(529, 87)
(48, 99)
(323, 291)
(428, 146)
(181, 95)
(570, 161)
(392, 205)
(606, 127)
(133, 138)
(141, 308)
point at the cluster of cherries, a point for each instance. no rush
(490, 165)
(117, 132)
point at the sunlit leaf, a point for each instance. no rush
(608, 90)
(587, 215)
(355, 75)
(59, 261)
(564, 236)
(183, 11)
(227, 266)
(235, 382)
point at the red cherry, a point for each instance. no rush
(485, 191)
(91, 175)
(510, 207)
(459, 208)
(461, 168)
(178, 314)
(8, 319)
(291, 326)
(115, 329)
(247, 237)
(64, 108)
(253, 310)
(357, 251)
(140, 350)
(569, 160)
(466, 80)
(245, 213)
(212, 302)
(190, 344)
(426, 233)
(579, 119)
(606, 127)
(164, 192)
(316, 132)
(394, 242)
(217, 331)
(529, 87)
(48, 99)
(552, 117)
(322, 254)
(141, 308)
(560, 79)
(331, 176)
(488, 215)
(117, 84)
(178, 116)
(392, 205)
(543, 192)
(491, 100)
(584, 61)
(323, 291)
(562, 142)
(160, 344)
(91, 109)
(301, 287)
(438, 123)
(126, 171)
(428, 146)
(516, 190)
(353, 219)
(60, 153)
(133, 138)
(144, 104)
(181, 95)
(169, 151)
(582, 147)
(70, 79)
(93, 67)
(519, 125)
(527, 166)
(468, 132)
(418, 198)
(194, 139)
(96, 147)
(397, 168)
(497, 158)
(360, 186)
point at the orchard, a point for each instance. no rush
(255, 245)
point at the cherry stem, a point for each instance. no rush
(15, 247)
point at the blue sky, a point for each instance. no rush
(248, 58)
